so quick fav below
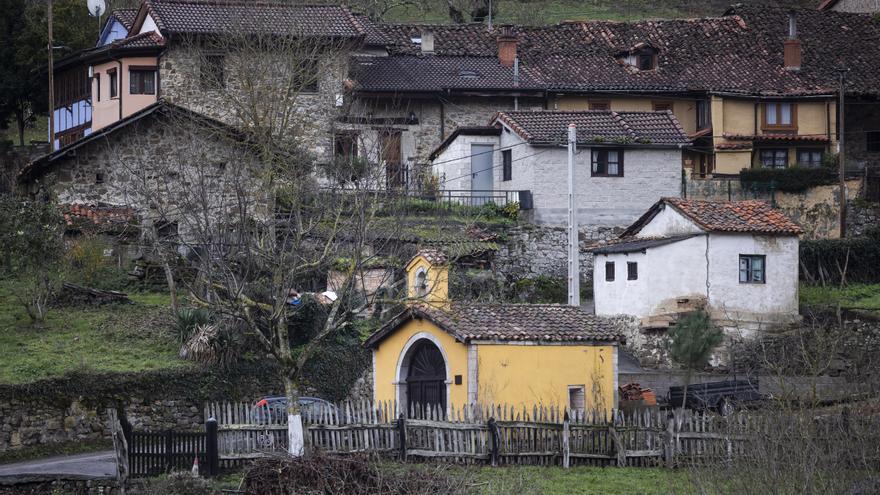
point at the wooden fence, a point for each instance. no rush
(154, 453)
(497, 435)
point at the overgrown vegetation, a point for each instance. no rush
(791, 179)
(853, 296)
(842, 261)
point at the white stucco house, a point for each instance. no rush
(738, 258)
(626, 161)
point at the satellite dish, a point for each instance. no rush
(96, 7)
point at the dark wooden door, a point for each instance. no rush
(389, 147)
(426, 379)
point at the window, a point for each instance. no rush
(142, 81)
(99, 178)
(600, 105)
(607, 163)
(809, 157)
(576, 398)
(114, 89)
(609, 271)
(421, 282)
(872, 141)
(98, 86)
(780, 116)
(774, 158)
(646, 61)
(305, 79)
(507, 165)
(751, 269)
(211, 74)
(632, 270)
(345, 146)
(662, 106)
(703, 115)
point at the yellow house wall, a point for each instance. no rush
(438, 281)
(528, 375)
(685, 110)
(732, 162)
(387, 354)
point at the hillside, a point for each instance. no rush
(553, 11)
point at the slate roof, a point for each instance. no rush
(750, 216)
(219, 17)
(635, 245)
(598, 127)
(508, 323)
(438, 73)
(740, 52)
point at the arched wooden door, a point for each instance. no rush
(426, 377)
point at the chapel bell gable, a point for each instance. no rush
(427, 278)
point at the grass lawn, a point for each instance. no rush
(579, 480)
(109, 338)
(39, 131)
(855, 296)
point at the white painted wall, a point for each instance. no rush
(149, 25)
(679, 270)
(667, 222)
(649, 174)
(666, 273)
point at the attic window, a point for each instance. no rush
(468, 74)
(421, 283)
(640, 58)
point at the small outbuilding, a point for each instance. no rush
(446, 353)
(738, 259)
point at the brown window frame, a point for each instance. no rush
(98, 86)
(797, 156)
(632, 270)
(703, 109)
(658, 106)
(760, 151)
(609, 271)
(141, 88)
(113, 82)
(593, 162)
(601, 105)
(791, 127)
(506, 165)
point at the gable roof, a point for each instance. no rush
(507, 322)
(41, 164)
(410, 73)
(740, 52)
(638, 244)
(239, 16)
(650, 129)
(124, 16)
(464, 131)
(750, 216)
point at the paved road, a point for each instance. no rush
(96, 464)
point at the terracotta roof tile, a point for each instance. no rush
(125, 16)
(97, 215)
(735, 216)
(775, 137)
(437, 73)
(509, 323)
(597, 126)
(142, 40)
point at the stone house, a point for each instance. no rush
(625, 162)
(738, 259)
(454, 354)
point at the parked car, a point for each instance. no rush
(723, 396)
(273, 409)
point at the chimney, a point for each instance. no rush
(427, 43)
(506, 48)
(792, 46)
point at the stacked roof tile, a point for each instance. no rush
(125, 16)
(741, 52)
(597, 127)
(750, 216)
(509, 322)
(219, 17)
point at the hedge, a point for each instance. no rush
(824, 260)
(793, 179)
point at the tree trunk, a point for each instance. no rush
(295, 438)
(684, 390)
(19, 119)
(172, 286)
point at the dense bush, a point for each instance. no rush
(792, 179)
(852, 259)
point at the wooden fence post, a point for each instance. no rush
(401, 436)
(212, 457)
(669, 441)
(120, 446)
(566, 450)
(494, 438)
(619, 448)
(169, 451)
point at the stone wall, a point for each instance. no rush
(51, 485)
(73, 408)
(539, 250)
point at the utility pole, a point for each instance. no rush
(574, 272)
(51, 83)
(841, 156)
